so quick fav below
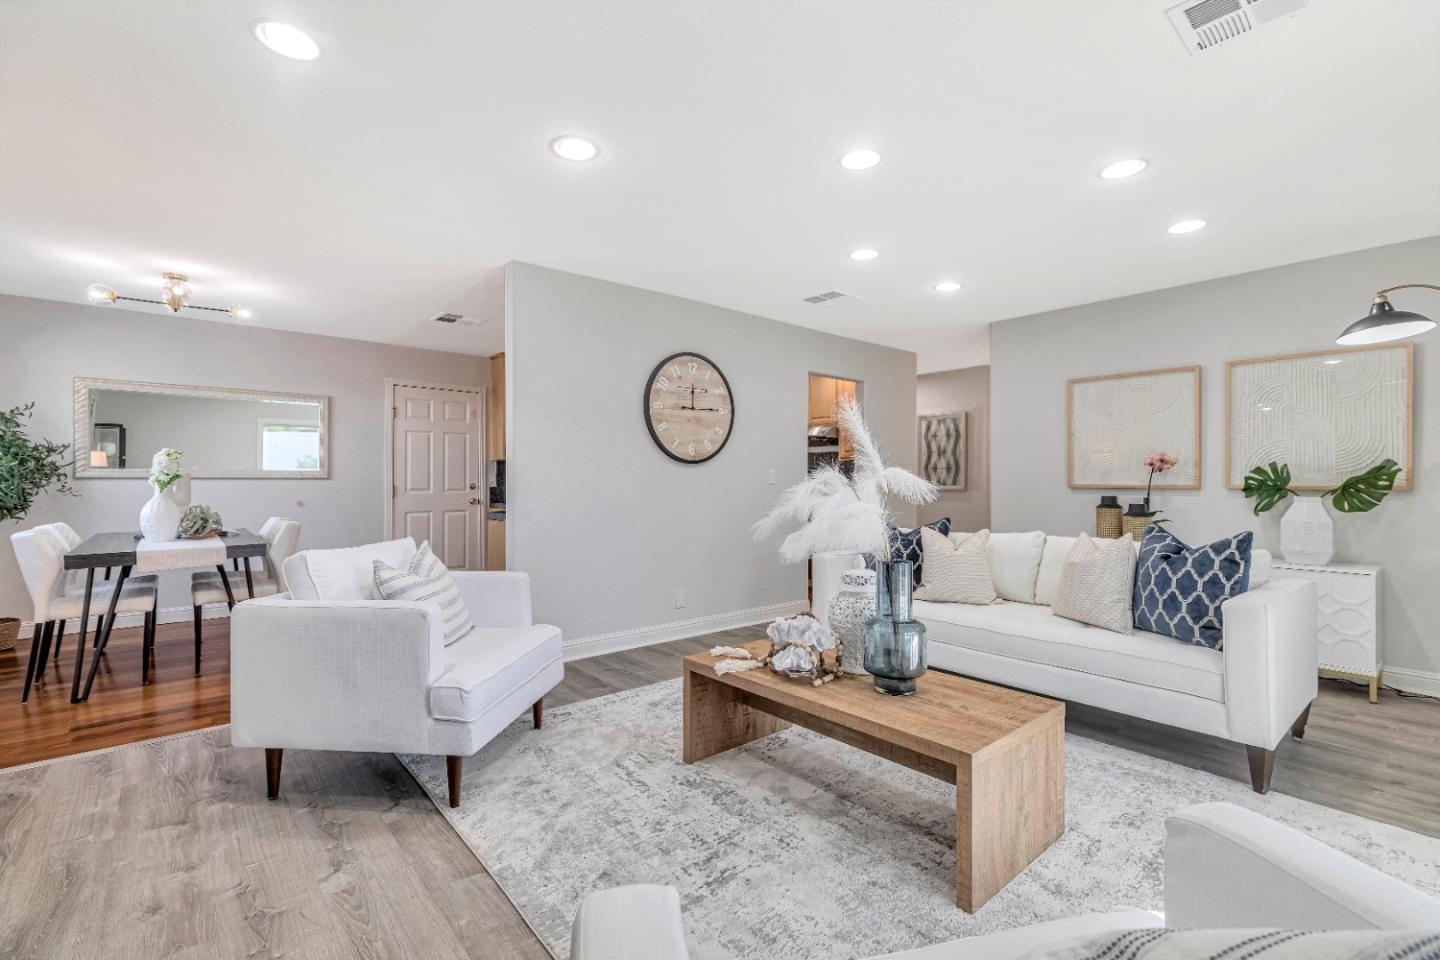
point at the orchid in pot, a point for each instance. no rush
(1157, 463)
(836, 512)
(160, 517)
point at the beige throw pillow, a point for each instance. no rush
(961, 572)
(1096, 583)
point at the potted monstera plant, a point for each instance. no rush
(1307, 534)
(27, 469)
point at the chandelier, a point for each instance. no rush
(174, 296)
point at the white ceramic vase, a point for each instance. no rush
(850, 607)
(1307, 534)
(160, 517)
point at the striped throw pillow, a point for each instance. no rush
(426, 580)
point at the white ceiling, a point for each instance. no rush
(361, 193)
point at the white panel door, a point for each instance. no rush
(437, 472)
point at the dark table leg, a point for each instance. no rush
(80, 646)
(34, 656)
(229, 594)
(249, 579)
(45, 640)
(103, 634)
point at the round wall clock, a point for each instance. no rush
(688, 408)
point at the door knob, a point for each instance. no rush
(474, 501)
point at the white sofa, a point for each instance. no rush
(328, 666)
(1225, 868)
(1253, 691)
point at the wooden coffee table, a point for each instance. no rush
(1003, 749)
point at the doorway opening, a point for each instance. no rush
(825, 442)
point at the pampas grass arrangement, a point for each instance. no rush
(836, 512)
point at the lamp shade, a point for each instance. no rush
(1383, 324)
(99, 458)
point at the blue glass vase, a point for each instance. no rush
(895, 652)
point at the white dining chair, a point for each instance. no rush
(75, 583)
(282, 536)
(41, 553)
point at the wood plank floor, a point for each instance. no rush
(170, 849)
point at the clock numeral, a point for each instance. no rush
(662, 383)
(692, 365)
(709, 374)
(722, 411)
(719, 430)
(692, 449)
(674, 443)
(662, 426)
(655, 404)
(675, 369)
(708, 444)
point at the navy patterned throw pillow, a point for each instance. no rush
(1179, 588)
(905, 545)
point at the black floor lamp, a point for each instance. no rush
(1385, 323)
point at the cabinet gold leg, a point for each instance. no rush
(1374, 689)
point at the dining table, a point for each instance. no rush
(111, 550)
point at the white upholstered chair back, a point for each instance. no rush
(282, 537)
(41, 566)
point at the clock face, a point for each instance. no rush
(688, 408)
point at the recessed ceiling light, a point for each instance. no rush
(864, 253)
(285, 40)
(1121, 169)
(947, 286)
(574, 148)
(1186, 226)
(860, 159)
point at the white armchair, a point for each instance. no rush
(329, 667)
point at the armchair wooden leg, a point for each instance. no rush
(197, 640)
(537, 712)
(273, 756)
(1262, 766)
(454, 769)
(31, 663)
(59, 638)
(46, 636)
(1297, 729)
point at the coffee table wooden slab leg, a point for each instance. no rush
(1009, 806)
(716, 718)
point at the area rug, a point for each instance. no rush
(796, 846)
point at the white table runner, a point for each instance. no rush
(153, 556)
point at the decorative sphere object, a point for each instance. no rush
(803, 630)
(200, 521)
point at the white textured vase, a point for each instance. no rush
(160, 517)
(1307, 534)
(852, 605)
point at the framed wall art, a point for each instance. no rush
(1115, 421)
(1328, 414)
(942, 450)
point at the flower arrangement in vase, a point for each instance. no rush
(160, 517)
(852, 514)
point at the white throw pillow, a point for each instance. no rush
(1014, 562)
(1096, 583)
(344, 573)
(1047, 582)
(961, 571)
(1261, 568)
(427, 581)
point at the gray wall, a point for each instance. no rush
(1293, 308)
(47, 344)
(606, 525)
(951, 391)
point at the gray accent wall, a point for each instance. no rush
(952, 391)
(47, 344)
(606, 525)
(1287, 309)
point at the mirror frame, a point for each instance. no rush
(83, 429)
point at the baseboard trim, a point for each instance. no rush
(581, 648)
(1411, 681)
(214, 611)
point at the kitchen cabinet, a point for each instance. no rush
(494, 544)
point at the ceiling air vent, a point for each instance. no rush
(829, 295)
(456, 318)
(1206, 24)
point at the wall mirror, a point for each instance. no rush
(223, 433)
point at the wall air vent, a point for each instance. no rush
(455, 318)
(830, 295)
(1204, 25)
